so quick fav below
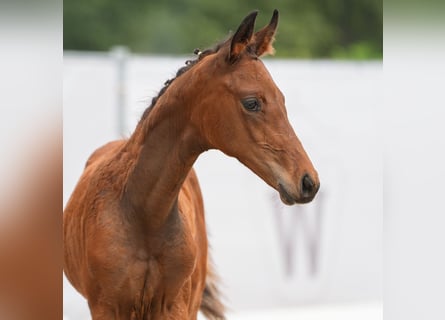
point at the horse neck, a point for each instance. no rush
(165, 146)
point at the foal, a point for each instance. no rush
(134, 228)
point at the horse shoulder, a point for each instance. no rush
(87, 204)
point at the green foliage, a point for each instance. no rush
(345, 29)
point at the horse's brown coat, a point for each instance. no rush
(134, 227)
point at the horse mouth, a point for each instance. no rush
(288, 199)
(285, 197)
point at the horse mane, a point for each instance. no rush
(188, 65)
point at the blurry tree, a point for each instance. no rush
(307, 28)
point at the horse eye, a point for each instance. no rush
(251, 104)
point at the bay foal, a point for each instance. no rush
(134, 228)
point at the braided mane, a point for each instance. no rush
(188, 65)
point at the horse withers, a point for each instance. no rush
(134, 227)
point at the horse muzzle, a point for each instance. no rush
(306, 191)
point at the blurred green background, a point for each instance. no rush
(339, 29)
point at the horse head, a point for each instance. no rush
(239, 110)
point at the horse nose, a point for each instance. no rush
(308, 186)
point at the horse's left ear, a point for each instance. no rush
(263, 39)
(242, 36)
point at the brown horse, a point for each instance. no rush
(134, 228)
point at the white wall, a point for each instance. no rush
(333, 107)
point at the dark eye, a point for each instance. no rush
(251, 104)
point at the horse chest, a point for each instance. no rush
(175, 252)
(170, 257)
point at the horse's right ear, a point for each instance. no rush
(242, 36)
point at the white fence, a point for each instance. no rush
(268, 255)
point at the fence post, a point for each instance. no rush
(120, 55)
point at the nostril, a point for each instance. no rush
(307, 185)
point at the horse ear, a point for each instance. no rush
(242, 36)
(264, 38)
